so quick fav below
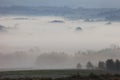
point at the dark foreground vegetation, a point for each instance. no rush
(71, 74)
(91, 76)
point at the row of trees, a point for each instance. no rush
(89, 65)
(109, 64)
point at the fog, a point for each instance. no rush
(26, 38)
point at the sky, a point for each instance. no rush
(69, 3)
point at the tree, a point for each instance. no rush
(101, 65)
(110, 65)
(117, 65)
(89, 65)
(78, 28)
(79, 66)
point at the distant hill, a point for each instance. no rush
(110, 14)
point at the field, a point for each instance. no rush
(48, 73)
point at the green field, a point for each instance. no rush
(48, 73)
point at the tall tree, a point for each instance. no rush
(79, 66)
(101, 65)
(89, 65)
(110, 65)
(117, 65)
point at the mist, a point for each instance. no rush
(40, 32)
(50, 42)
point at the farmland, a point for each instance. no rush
(48, 73)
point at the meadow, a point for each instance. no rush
(48, 73)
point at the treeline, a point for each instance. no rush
(109, 64)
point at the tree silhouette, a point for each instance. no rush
(89, 65)
(117, 65)
(110, 65)
(79, 66)
(101, 65)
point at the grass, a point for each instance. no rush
(49, 73)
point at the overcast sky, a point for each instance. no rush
(71, 3)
